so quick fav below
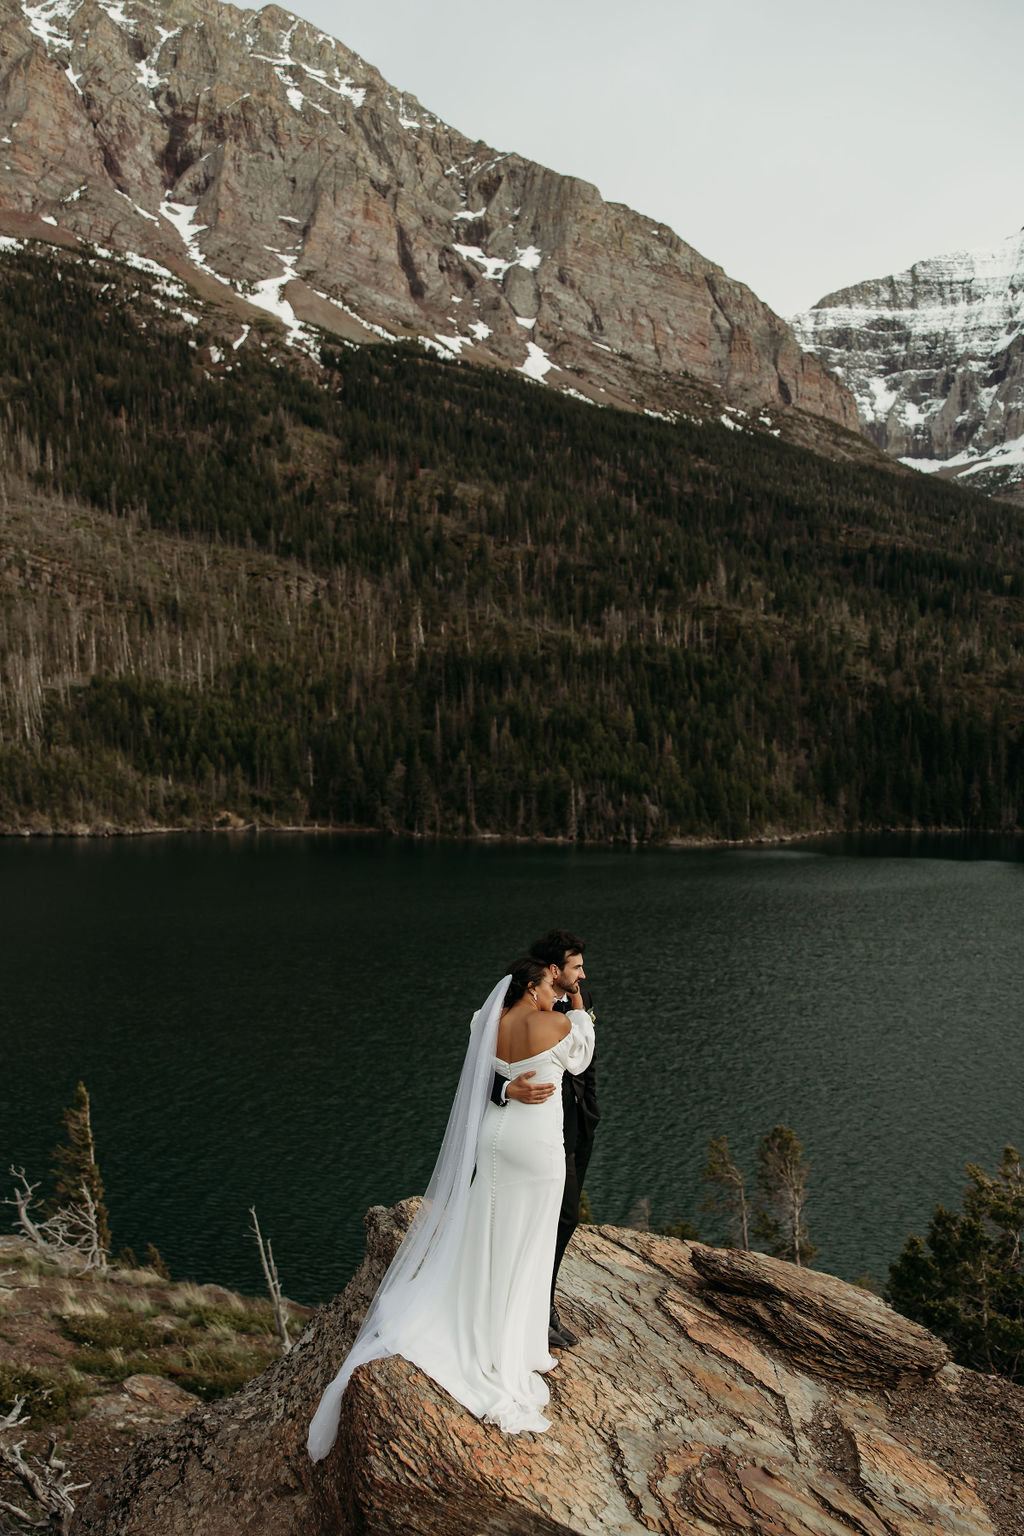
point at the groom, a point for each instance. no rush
(562, 953)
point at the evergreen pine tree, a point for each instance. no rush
(154, 1259)
(965, 1280)
(75, 1165)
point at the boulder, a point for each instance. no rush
(836, 1330)
(713, 1393)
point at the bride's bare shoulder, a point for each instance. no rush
(523, 1033)
(547, 1029)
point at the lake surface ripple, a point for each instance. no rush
(280, 1021)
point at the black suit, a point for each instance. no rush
(580, 1115)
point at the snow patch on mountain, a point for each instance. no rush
(495, 267)
(1008, 456)
(537, 364)
(116, 11)
(49, 21)
(269, 295)
(286, 68)
(182, 216)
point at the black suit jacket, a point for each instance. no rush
(580, 1112)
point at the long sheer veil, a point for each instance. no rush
(422, 1268)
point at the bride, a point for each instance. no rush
(467, 1295)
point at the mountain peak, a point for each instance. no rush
(252, 153)
(935, 358)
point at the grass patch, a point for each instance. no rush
(101, 1331)
(218, 1371)
(142, 1306)
(122, 1274)
(33, 1266)
(115, 1365)
(188, 1294)
(209, 1372)
(47, 1399)
(71, 1303)
(201, 1351)
(236, 1316)
(220, 1331)
(14, 1258)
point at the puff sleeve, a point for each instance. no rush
(574, 1052)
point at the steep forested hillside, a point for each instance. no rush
(389, 591)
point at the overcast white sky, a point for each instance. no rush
(801, 145)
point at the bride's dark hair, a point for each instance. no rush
(526, 973)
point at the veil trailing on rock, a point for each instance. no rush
(422, 1269)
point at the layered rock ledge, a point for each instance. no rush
(714, 1393)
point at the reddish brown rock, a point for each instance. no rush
(689, 1409)
(841, 1332)
(143, 1398)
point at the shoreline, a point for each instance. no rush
(697, 843)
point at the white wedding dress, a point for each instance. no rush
(467, 1296)
(488, 1341)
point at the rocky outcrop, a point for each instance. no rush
(247, 149)
(713, 1393)
(935, 359)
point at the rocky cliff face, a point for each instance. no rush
(935, 359)
(713, 1394)
(248, 150)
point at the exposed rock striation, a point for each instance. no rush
(714, 1393)
(248, 149)
(935, 359)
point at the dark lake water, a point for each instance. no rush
(281, 1020)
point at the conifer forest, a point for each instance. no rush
(374, 589)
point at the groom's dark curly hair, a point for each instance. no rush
(555, 946)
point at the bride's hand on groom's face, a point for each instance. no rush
(524, 1092)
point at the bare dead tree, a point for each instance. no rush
(727, 1190)
(23, 1200)
(273, 1284)
(70, 1237)
(46, 1479)
(75, 1229)
(782, 1184)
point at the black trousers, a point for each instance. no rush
(569, 1216)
